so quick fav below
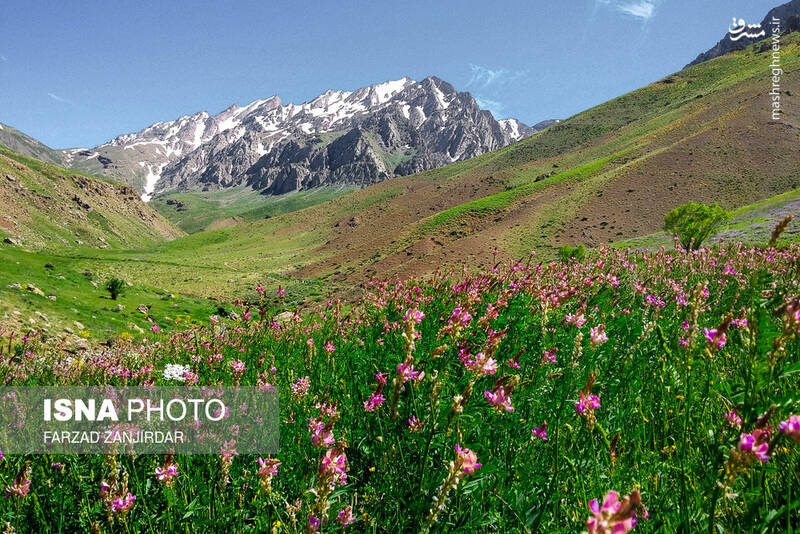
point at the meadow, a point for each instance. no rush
(655, 391)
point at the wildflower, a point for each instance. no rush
(167, 473)
(266, 470)
(482, 364)
(550, 356)
(238, 367)
(58, 466)
(406, 372)
(714, 337)
(577, 319)
(333, 467)
(598, 335)
(345, 516)
(791, 427)
(321, 434)
(300, 388)
(381, 378)
(374, 402)
(155, 329)
(587, 403)
(467, 460)
(414, 424)
(122, 505)
(499, 399)
(540, 432)
(329, 348)
(614, 516)
(414, 315)
(466, 464)
(756, 444)
(733, 419)
(313, 525)
(175, 371)
(513, 363)
(259, 288)
(21, 485)
(281, 291)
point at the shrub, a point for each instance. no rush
(115, 287)
(693, 222)
(567, 253)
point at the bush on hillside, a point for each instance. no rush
(115, 287)
(693, 222)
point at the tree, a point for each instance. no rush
(115, 286)
(693, 222)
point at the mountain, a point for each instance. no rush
(28, 146)
(45, 206)
(789, 16)
(339, 138)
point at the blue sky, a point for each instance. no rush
(80, 73)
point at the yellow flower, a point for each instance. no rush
(372, 469)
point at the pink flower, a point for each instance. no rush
(540, 432)
(467, 460)
(712, 335)
(334, 466)
(578, 319)
(791, 427)
(733, 418)
(598, 335)
(281, 291)
(481, 364)
(268, 467)
(499, 399)
(154, 329)
(756, 443)
(407, 373)
(300, 388)
(260, 288)
(374, 402)
(329, 348)
(123, 504)
(167, 473)
(415, 315)
(614, 517)
(381, 378)
(238, 367)
(345, 516)
(321, 434)
(587, 402)
(414, 424)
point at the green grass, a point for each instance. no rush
(201, 209)
(70, 280)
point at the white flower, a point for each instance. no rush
(174, 371)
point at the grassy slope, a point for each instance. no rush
(70, 280)
(48, 206)
(24, 144)
(613, 172)
(196, 211)
(38, 207)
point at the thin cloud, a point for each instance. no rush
(3, 58)
(58, 98)
(483, 77)
(640, 9)
(643, 10)
(497, 108)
